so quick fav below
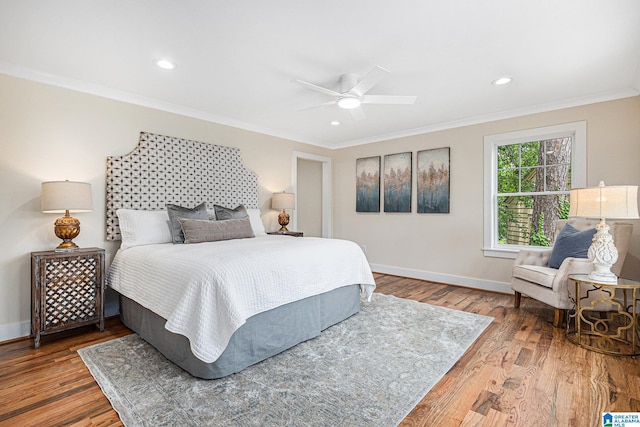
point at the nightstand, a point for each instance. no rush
(287, 233)
(67, 291)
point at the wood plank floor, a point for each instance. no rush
(520, 372)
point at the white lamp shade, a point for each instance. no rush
(615, 202)
(60, 196)
(283, 201)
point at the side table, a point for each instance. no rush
(67, 290)
(287, 233)
(604, 317)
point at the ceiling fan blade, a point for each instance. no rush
(326, 104)
(388, 99)
(358, 113)
(371, 79)
(318, 88)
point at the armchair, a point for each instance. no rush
(533, 277)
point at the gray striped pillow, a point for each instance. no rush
(198, 231)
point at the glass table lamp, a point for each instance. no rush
(66, 197)
(283, 201)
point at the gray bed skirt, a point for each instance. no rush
(262, 336)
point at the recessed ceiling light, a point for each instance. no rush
(348, 103)
(166, 64)
(502, 80)
(335, 123)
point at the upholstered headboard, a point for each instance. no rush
(164, 169)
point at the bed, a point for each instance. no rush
(228, 295)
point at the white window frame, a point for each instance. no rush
(578, 133)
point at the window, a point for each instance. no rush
(528, 175)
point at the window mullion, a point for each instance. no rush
(519, 168)
(533, 193)
(544, 165)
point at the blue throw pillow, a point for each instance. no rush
(570, 243)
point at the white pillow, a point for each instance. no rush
(138, 227)
(256, 222)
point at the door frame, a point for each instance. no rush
(327, 229)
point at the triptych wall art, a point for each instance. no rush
(397, 182)
(368, 184)
(433, 192)
(433, 181)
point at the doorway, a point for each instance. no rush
(312, 186)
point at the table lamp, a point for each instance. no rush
(613, 202)
(65, 197)
(283, 201)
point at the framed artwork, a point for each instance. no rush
(397, 182)
(368, 184)
(433, 180)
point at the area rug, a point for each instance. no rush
(369, 370)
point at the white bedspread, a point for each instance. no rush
(206, 291)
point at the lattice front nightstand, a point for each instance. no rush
(67, 290)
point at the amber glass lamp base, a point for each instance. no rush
(283, 220)
(67, 228)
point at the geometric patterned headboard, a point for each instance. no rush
(165, 169)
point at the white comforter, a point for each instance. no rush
(206, 291)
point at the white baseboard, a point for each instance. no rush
(468, 282)
(23, 329)
(111, 308)
(14, 330)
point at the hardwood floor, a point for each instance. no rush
(520, 372)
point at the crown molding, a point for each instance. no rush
(542, 108)
(131, 98)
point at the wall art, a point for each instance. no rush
(368, 184)
(433, 180)
(397, 182)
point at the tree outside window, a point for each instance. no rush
(533, 181)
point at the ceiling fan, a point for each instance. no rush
(353, 92)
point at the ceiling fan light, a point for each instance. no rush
(348, 103)
(502, 81)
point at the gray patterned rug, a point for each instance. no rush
(370, 370)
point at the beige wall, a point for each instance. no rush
(448, 247)
(49, 133)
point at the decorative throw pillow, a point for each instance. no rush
(256, 222)
(139, 227)
(570, 243)
(198, 231)
(176, 212)
(226, 213)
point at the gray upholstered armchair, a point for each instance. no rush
(533, 277)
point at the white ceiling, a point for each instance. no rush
(236, 60)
